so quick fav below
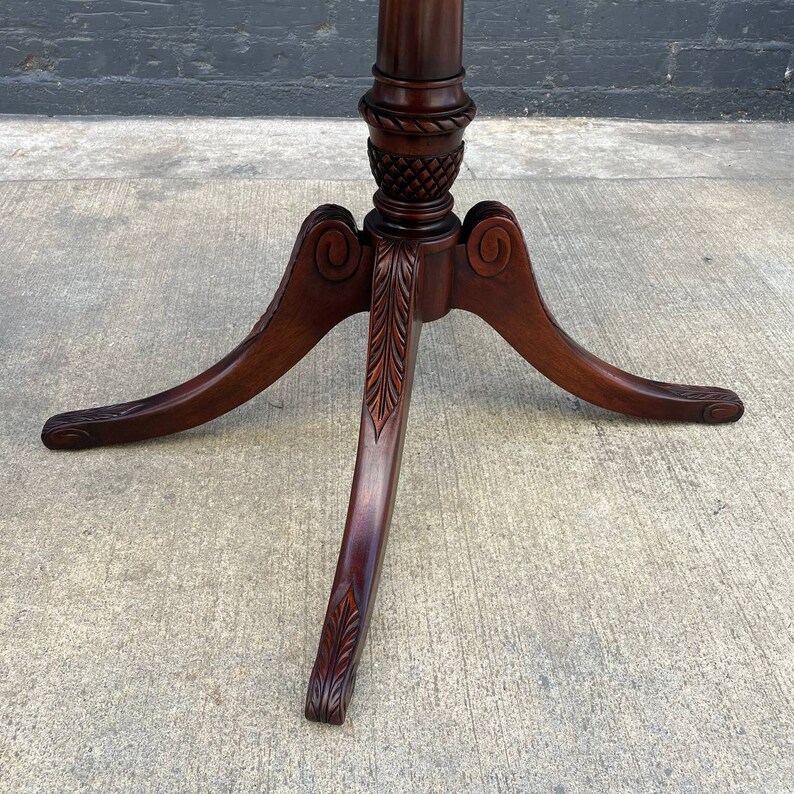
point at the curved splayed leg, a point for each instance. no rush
(494, 280)
(327, 280)
(393, 339)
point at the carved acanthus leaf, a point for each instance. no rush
(719, 405)
(704, 393)
(390, 326)
(333, 677)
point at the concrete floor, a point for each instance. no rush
(572, 601)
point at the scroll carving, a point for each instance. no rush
(333, 677)
(390, 325)
(337, 251)
(489, 243)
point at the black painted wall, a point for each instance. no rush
(645, 58)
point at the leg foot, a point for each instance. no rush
(327, 280)
(393, 338)
(494, 280)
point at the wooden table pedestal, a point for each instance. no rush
(411, 264)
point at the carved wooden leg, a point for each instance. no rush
(327, 280)
(393, 338)
(494, 279)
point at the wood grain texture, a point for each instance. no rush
(326, 281)
(393, 342)
(494, 279)
(423, 265)
(648, 626)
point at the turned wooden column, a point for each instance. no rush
(411, 265)
(417, 111)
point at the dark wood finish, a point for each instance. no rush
(417, 111)
(420, 39)
(494, 279)
(327, 280)
(393, 340)
(411, 264)
(411, 283)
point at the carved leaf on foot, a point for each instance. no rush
(60, 431)
(390, 324)
(723, 404)
(333, 677)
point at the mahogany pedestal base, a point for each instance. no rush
(404, 281)
(411, 265)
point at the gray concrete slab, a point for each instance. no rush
(78, 148)
(571, 600)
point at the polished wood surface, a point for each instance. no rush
(494, 279)
(326, 281)
(412, 263)
(394, 331)
(420, 39)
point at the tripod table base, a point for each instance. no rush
(404, 281)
